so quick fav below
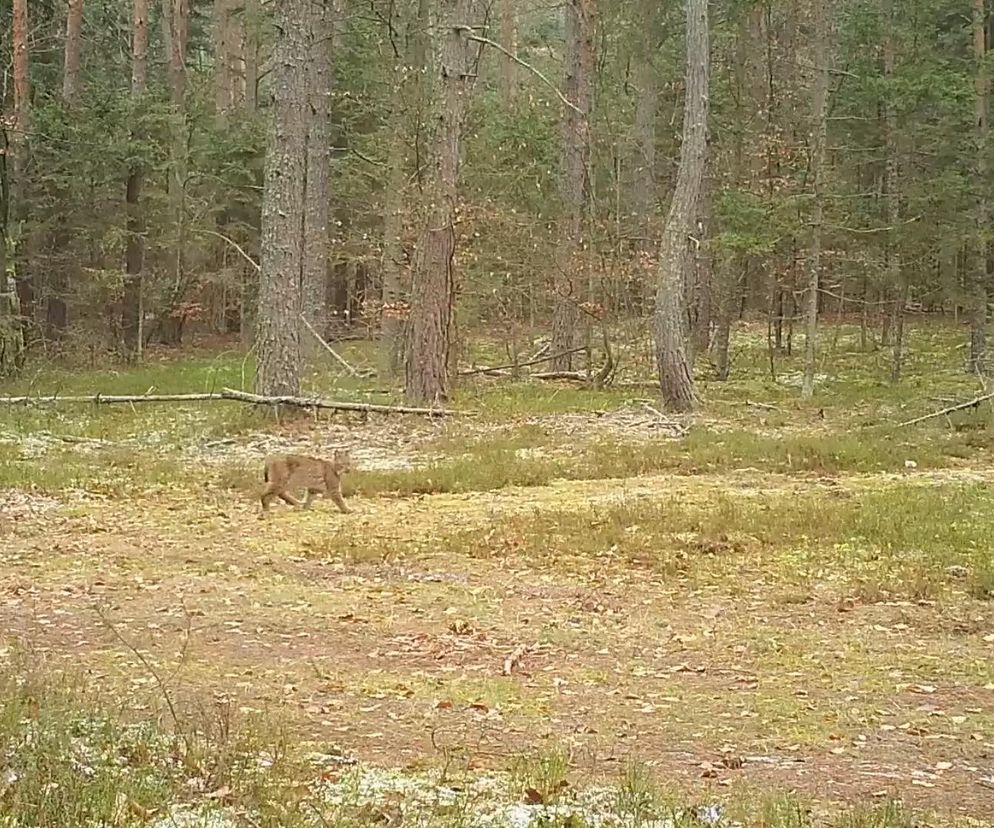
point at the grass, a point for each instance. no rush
(71, 760)
(541, 591)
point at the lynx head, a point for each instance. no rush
(342, 460)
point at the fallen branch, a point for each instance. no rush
(237, 396)
(318, 402)
(575, 376)
(111, 399)
(352, 371)
(958, 407)
(525, 364)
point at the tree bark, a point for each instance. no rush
(433, 283)
(318, 173)
(278, 320)
(819, 114)
(676, 380)
(131, 309)
(19, 151)
(73, 52)
(175, 30)
(895, 276)
(977, 363)
(643, 164)
(574, 178)
(509, 40)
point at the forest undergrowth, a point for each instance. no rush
(562, 605)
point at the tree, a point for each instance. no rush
(433, 278)
(819, 123)
(132, 310)
(574, 182)
(676, 381)
(278, 319)
(892, 253)
(981, 264)
(73, 53)
(19, 149)
(316, 199)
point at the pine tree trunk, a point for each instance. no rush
(19, 152)
(977, 363)
(574, 179)
(278, 319)
(73, 52)
(895, 276)
(175, 28)
(643, 164)
(819, 107)
(676, 380)
(509, 40)
(433, 284)
(318, 174)
(134, 256)
(393, 313)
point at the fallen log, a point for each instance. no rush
(229, 394)
(318, 402)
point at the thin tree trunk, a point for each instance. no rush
(11, 326)
(278, 320)
(643, 163)
(509, 40)
(394, 310)
(19, 150)
(574, 179)
(318, 175)
(978, 300)
(433, 285)
(895, 275)
(175, 27)
(134, 257)
(676, 379)
(73, 54)
(64, 270)
(819, 109)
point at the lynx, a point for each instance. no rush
(286, 471)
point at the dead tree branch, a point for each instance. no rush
(958, 407)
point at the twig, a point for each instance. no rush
(237, 246)
(547, 358)
(488, 42)
(147, 664)
(959, 407)
(352, 371)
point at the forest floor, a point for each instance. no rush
(770, 597)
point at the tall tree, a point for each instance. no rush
(574, 178)
(676, 379)
(647, 77)
(981, 265)
(819, 130)
(278, 319)
(175, 38)
(11, 327)
(64, 273)
(895, 276)
(19, 149)
(509, 40)
(323, 18)
(433, 278)
(410, 89)
(132, 310)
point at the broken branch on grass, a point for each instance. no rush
(238, 396)
(526, 363)
(959, 407)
